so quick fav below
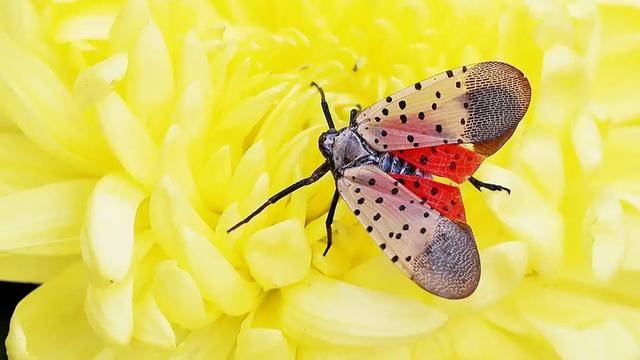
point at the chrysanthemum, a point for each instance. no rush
(134, 133)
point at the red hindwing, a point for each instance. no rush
(445, 199)
(451, 161)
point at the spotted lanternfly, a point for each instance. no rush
(385, 161)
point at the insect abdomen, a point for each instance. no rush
(394, 165)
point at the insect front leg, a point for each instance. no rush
(317, 174)
(493, 187)
(329, 221)
(353, 115)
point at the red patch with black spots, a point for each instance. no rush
(451, 161)
(445, 199)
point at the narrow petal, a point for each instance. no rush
(263, 344)
(50, 323)
(233, 294)
(149, 84)
(278, 255)
(169, 211)
(129, 140)
(341, 352)
(97, 81)
(604, 224)
(587, 142)
(107, 241)
(215, 341)
(194, 66)
(179, 298)
(132, 18)
(43, 215)
(109, 310)
(542, 155)
(527, 214)
(33, 269)
(37, 101)
(324, 310)
(215, 177)
(150, 326)
(24, 165)
(604, 340)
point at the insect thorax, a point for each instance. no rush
(346, 149)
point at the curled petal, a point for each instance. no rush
(322, 310)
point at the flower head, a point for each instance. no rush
(136, 132)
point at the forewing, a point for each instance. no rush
(480, 103)
(438, 254)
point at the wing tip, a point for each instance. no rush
(449, 266)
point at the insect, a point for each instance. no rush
(385, 162)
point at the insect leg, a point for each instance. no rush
(493, 187)
(329, 221)
(325, 106)
(317, 174)
(353, 115)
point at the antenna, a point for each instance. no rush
(325, 106)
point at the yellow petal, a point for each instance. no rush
(150, 326)
(149, 84)
(503, 267)
(227, 289)
(587, 142)
(23, 165)
(37, 101)
(542, 155)
(563, 87)
(43, 215)
(619, 52)
(34, 269)
(278, 255)
(194, 67)
(336, 352)
(129, 140)
(226, 242)
(379, 273)
(529, 217)
(604, 340)
(109, 310)
(169, 210)
(263, 344)
(97, 81)
(335, 263)
(132, 18)
(191, 113)
(50, 323)
(604, 226)
(178, 296)
(215, 177)
(215, 341)
(107, 244)
(84, 27)
(246, 173)
(322, 310)
(175, 164)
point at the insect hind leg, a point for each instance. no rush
(493, 187)
(317, 174)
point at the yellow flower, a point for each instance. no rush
(134, 133)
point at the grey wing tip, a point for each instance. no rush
(449, 266)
